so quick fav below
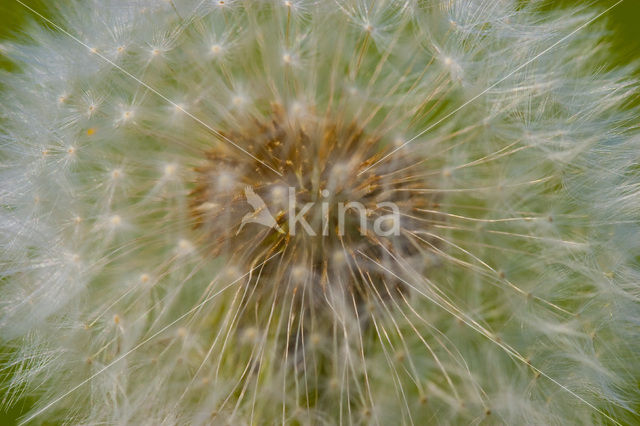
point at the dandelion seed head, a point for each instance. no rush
(155, 271)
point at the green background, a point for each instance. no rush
(624, 23)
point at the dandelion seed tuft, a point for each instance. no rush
(318, 212)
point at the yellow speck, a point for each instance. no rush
(169, 169)
(91, 131)
(315, 339)
(184, 246)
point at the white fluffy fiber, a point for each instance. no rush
(528, 312)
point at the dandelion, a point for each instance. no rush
(311, 212)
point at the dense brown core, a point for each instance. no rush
(320, 162)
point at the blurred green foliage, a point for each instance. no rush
(13, 19)
(624, 23)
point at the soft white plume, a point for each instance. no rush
(130, 295)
